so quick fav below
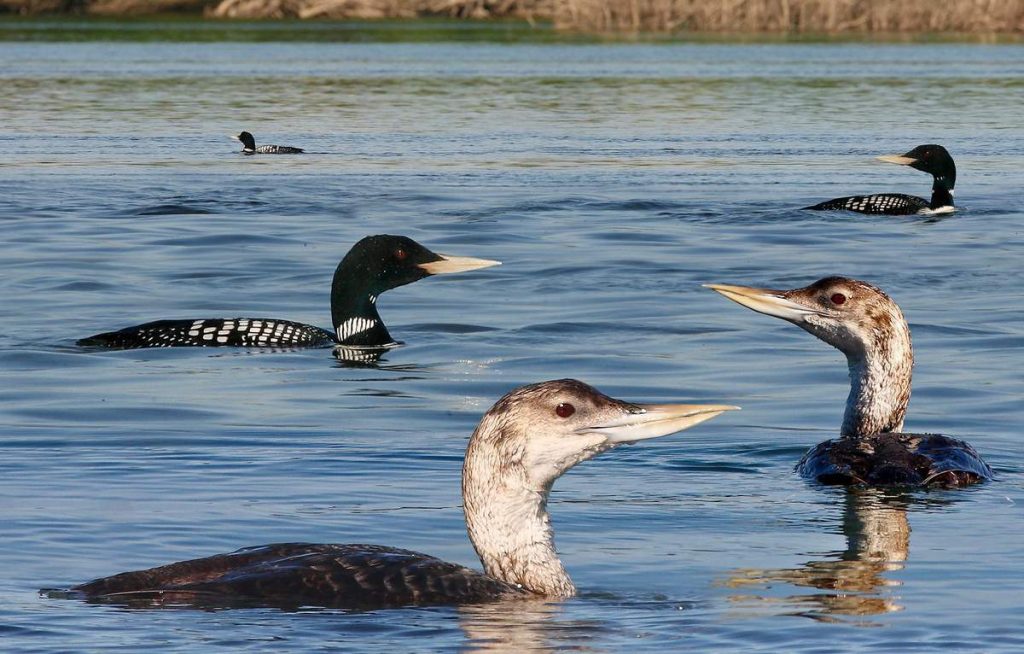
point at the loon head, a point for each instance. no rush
(384, 262)
(248, 142)
(932, 159)
(526, 441)
(850, 315)
(862, 322)
(376, 264)
(547, 428)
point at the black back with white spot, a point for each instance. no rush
(891, 204)
(278, 149)
(249, 146)
(214, 332)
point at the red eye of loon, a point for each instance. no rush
(838, 298)
(400, 254)
(564, 410)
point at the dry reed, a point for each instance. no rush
(825, 16)
(813, 16)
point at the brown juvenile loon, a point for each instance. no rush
(868, 327)
(528, 439)
(932, 159)
(375, 264)
(249, 146)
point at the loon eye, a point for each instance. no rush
(564, 410)
(838, 298)
(401, 254)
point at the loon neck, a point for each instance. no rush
(507, 519)
(880, 380)
(942, 193)
(354, 312)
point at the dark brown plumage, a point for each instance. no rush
(299, 574)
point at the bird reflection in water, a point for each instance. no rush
(520, 626)
(856, 582)
(357, 357)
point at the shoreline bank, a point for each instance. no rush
(667, 17)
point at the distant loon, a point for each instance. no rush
(373, 265)
(249, 146)
(933, 159)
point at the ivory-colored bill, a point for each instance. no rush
(448, 264)
(764, 300)
(897, 159)
(654, 420)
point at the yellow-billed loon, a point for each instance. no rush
(868, 327)
(932, 159)
(249, 146)
(375, 264)
(528, 439)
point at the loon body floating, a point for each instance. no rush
(868, 327)
(932, 159)
(249, 146)
(373, 265)
(525, 441)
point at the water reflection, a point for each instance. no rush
(856, 581)
(521, 626)
(357, 357)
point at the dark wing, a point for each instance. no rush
(820, 465)
(892, 204)
(215, 332)
(953, 461)
(894, 459)
(289, 575)
(278, 149)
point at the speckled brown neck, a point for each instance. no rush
(880, 380)
(507, 518)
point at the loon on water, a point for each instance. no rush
(375, 264)
(528, 439)
(868, 327)
(249, 146)
(933, 159)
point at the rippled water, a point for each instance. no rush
(612, 181)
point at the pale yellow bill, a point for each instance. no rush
(656, 420)
(897, 159)
(764, 300)
(448, 264)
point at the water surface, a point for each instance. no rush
(612, 181)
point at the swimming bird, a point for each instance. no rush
(249, 146)
(375, 264)
(868, 327)
(932, 159)
(528, 439)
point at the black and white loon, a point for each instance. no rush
(868, 327)
(932, 159)
(249, 146)
(375, 264)
(526, 441)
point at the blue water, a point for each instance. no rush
(612, 181)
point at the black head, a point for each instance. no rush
(384, 262)
(248, 142)
(934, 160)
(379, 263)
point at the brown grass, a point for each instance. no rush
(378, 8)
(796, 16)
(825, 16)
